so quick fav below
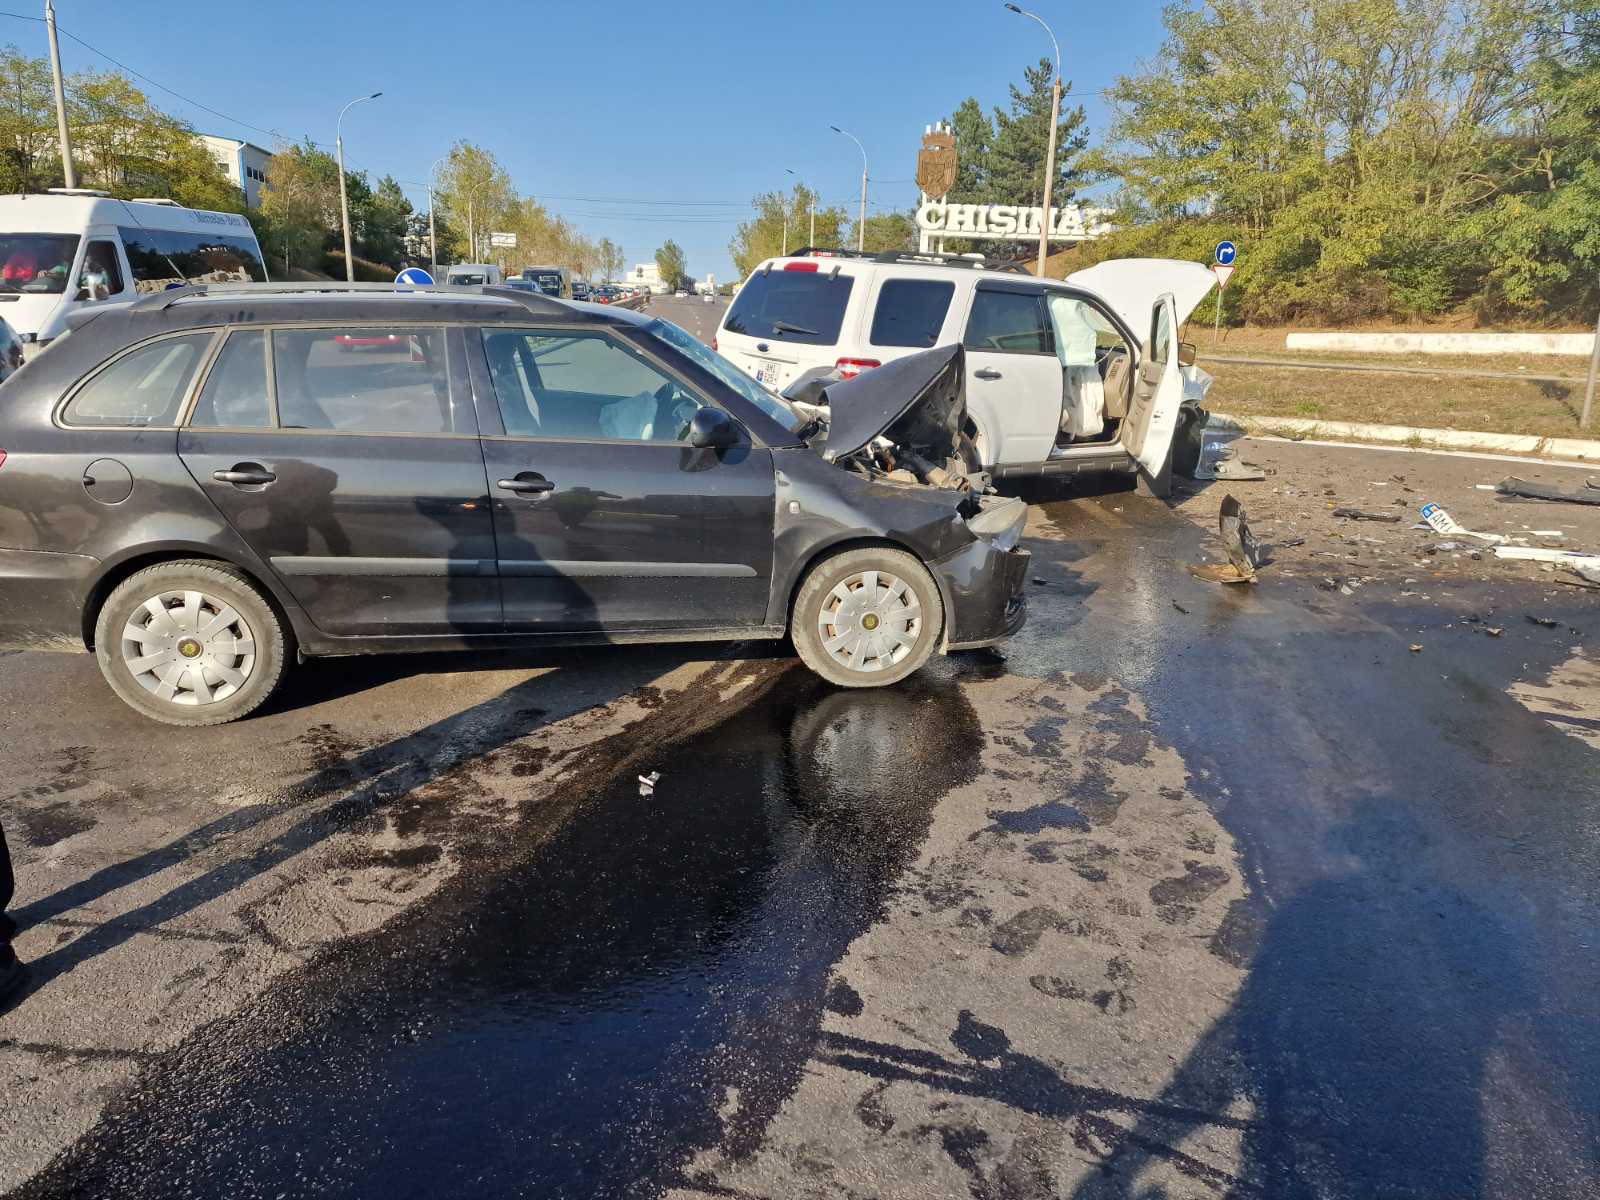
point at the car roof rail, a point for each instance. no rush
(912, 256)
(158, 301)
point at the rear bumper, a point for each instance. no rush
(41, 595)
(987, 590)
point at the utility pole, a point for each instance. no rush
(1050, 154)
(433, 236)
(344, 200)
(68, 171)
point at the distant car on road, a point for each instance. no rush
(533, 470)
(472, 274)
(552, 281)
(680, 294)
(581, 289)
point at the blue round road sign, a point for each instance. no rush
(414, 275)
(1226, 253)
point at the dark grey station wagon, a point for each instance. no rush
(208, 484)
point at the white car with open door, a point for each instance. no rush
(1084, 374)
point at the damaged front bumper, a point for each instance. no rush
(986, 581)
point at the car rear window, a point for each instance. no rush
(144, 387)
(791, 306)
(911, 312)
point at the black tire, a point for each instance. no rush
(817, 591)
(215, 582)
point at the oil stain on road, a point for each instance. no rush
(650, 981)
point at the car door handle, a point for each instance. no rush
(987, 373)
(527, 483)
(245, 473)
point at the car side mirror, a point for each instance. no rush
(1186, 354)
(712, 429)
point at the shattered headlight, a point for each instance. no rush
(1000, 521)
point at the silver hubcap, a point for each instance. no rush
(188, 648)
(870, 621)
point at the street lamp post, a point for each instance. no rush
(344, 200)
(433, 237)
(861, 224)
(787, 171)
(1050, 154)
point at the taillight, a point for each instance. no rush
(849, 368)
(2, 458)
(713, 344)
(800, 266)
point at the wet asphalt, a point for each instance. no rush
(1415, 941)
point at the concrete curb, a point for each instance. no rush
(1577, 449)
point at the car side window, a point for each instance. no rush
(364, 379)
(1008, 322)
(910, 312)
(583, 385)
(102, 274)
(1160, 332)
(144, 387)
(234, 395)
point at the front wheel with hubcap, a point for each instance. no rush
(867, 617)
(190, 643)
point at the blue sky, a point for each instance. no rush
(638, 122)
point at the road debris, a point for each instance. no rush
(1416, 647)
(1512, 486)
(1180, 608)
(1442, 522)
(1240, 544)
(1494, 630)
(1364, 514)
(1547, 622)
(1576, 559)
(647, 783)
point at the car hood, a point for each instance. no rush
(1131, 286)
(925, 388)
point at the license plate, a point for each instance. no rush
(767, 373)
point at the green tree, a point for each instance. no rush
(385, 223)
(475, 189)
(1372, 157)
(299, 214)
(763, 237)
(28, 158)
(671, 263)
(889, 231)
(1013, 168)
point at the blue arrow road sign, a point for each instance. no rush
(414, 275)
(1226, 253)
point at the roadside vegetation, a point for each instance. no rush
(1400, 159)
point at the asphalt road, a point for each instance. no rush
(1190, 891)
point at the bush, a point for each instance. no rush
(366, 271)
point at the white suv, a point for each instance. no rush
(1061, 376)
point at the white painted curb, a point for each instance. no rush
(1445, 343)
(1578, 449)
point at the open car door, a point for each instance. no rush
(1157, 394)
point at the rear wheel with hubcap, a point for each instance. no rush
(190, 643)
(867, 617)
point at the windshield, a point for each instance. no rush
(36, 262)
(466, 280)
(548, 281)
(771, 403)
